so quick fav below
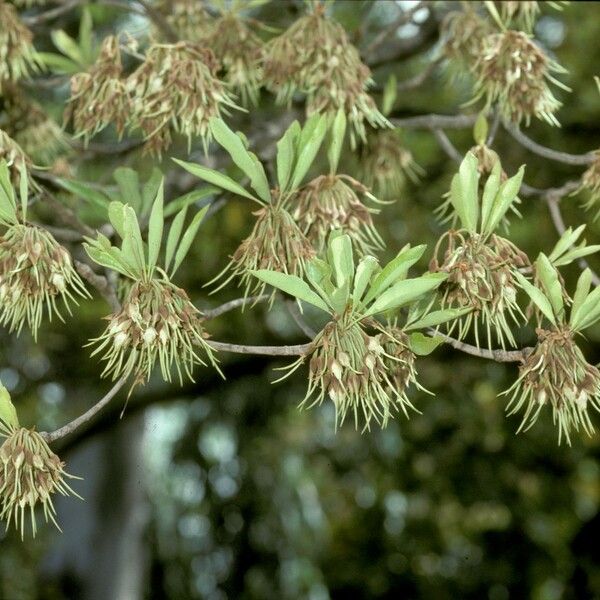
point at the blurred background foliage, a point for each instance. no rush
(224, 489)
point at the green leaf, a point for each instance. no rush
(155, 227)
(396, 269)
(85, 191)
(189, 198)
(8, 412)
(133, 246)
(538, 298)
(364, 272)
(286, 148)
(23, 190)
(576, 253)
(290, 284)
(437, 317)
(463, 192)
(188, 238)
(105, 259)
(490, 191)
(480, 130)
(128, 182)
(553, 290)
(589, 312)
(116, 216)
(422, 345)
(406, 291)
(247, 162)
(149, 191)
(58, 63)
(341, 258)
(215, 178)
(390, 93)
(308, 146)
(584, 284)
(318, 273)
(174, 235)
(68, 46)
(566, 240)
(338, 131)
(506, 195)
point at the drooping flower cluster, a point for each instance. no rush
(386, 163)
(464, 33)
(13, 155)
(365, 376)
(40, 137)
(481, 275)
(176, 88)
(239, 52)
(519, 15)
(557, 374)
(35, 272)
(275, 243)
(30, 473)
(17, 54)
(332, 202)
(514, 72)
(157, 323)
(99, 96)
(314, 56)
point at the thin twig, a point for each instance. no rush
(86, 416)
(161, 23)
(49, 15)
(419, 78)
(297, 350)
(101, 283)
(497, 355)
(433, 121)
(65, 214)
(446, 145)
(493, 129)
(292, 307)
(556, 155)
(212, 313)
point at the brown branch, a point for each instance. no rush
(292, 307)
(497, 355)
(556, 155)
(51, 14)
(212, 313)
(297, 350)
(434, 121)
(161, 23)
(86, 416)
(101, 283)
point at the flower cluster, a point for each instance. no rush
(176, 87)
(590, 182)
(13, 155)
(275, 243)
(99, 96)
(30, 473)
(364, 375)
(481, 275)
(35, 271)
(315, 57)
(556, 373)
(332, 202)
(239, 53)
(385, 163)
(40, 137)
(17, 54)
(519, 15)
(464, 34)
(157, 322)
(188, 19)
(514, 72)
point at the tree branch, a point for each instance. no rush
(497, 355)
(297, 350)
(53, 13)
(161, 23)
(86, 416)
(212, 313)
(434, 121)
(101, 283)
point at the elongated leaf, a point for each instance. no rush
(133, 246)
(188, 238)
(68, 46)
(8, 412)
(58, 63)
(307, 150)
(437, 317)
(23, 190)
(241, 157)
(463, 192)
(423, 345)
(364, 272)
(149, 191)
(507, 194)
(215, 178)
(85, 191)
(538, 298)
(566, 240)
(105, 259)
(338, 131)
(553, 290)
(390, 93)
(318, 273)
(589, 312)
(582, 290)
(290, 284)
(188, 199)
(341, 258)
(406, 291)
(85, 36)
(395, 270)
(490, 190)
(576, 254)
(116, 216)
(155, 227)
(286, 153)
(480, 129)
(174, 235)
(129, 186)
